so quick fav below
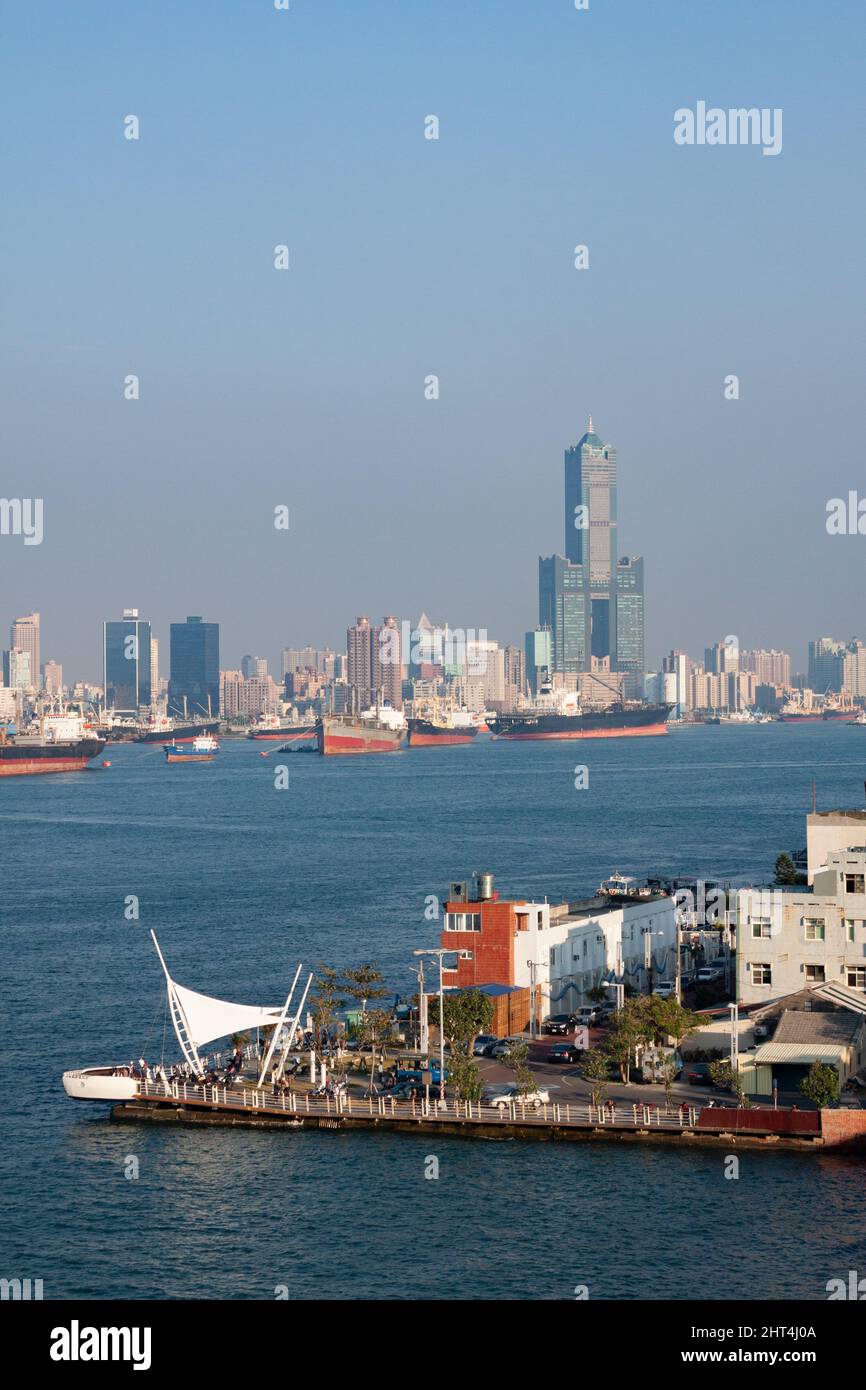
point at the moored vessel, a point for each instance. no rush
(374, 731)
(451, 726)
(57, 743)
(161, 728)
(559, 715)
(198, 750)
(270, 726)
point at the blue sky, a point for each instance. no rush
(411, 257)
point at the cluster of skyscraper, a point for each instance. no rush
(130, 663)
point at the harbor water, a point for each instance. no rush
(242, 877)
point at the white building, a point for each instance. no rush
(792, 939)
(573, 948)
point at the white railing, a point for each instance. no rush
(585, 1115)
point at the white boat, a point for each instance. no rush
(198, 1019)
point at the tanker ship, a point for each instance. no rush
(59, 743)
(162, 728)
(374, 731)
(559, 714)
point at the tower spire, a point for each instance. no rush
(589, 426)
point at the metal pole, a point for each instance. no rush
(275, 1034)
(441, 1031)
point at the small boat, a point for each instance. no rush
(199, 750)
(198, 1020)
(861, 718)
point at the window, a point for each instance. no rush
(552, 957)
(857, 977)
(761, 974)
(462, 921)
(855, 883)
(814, 974)
(850, 924)
(761, 927)
(814, 928)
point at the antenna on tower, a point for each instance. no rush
(589, 426)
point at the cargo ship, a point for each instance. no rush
(158, 730)
(198, 750)
(373, 731)
(559, 714)
(59, 743)
(457, 726)
(270, 727)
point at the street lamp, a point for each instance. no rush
(619, 987)
(439, 952)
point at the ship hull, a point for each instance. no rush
(19, 760)
(424, 734)
(283, 734)
(647, 722)
(185, 734)
(336, 736)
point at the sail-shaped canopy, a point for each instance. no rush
(207, 1019)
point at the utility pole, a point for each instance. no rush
(423, 1027)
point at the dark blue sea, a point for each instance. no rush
(241, 881)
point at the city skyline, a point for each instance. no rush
(306, 387)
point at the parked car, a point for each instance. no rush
(503, 1099)
(564, 1052)
(698, 1074)
(559, 1023)
(665, 988)
(502, 1046)
(587, 1015)
(482, 1043)
(711, 974)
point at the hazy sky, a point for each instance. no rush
(409, 257)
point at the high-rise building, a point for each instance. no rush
(538, 648)
(25, 637)
(154, 669)
(770, 667)
(590, 533)
(586, 595)
(194, 683)
(53, 677)
(515, 674)
(854, 670)
(826, 665)
(126, 661)
(297, 659)
(16, 669)
(630, 636)
(375, 662)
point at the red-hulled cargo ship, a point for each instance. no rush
(616, 722)
(63, 743)
(343, 733)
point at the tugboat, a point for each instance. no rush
(198, 750)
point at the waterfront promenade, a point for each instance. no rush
(166, 1102)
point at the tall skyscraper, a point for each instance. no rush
(195, 667)
(126, 661)
(154, 669)
(25, 637)
(592, 602)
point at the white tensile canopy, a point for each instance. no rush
(207, 1019)
(199, 1019)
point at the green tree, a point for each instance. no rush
(668, 1018)
(633, 1025)
(786, 870)
(517, 1060)
(723, 1075)
(364, 985)
(467, 1012)
(820, 1085)
(326, 1001)
(595, 1068)
(463, 1074)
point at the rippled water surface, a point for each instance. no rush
(241, 881)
